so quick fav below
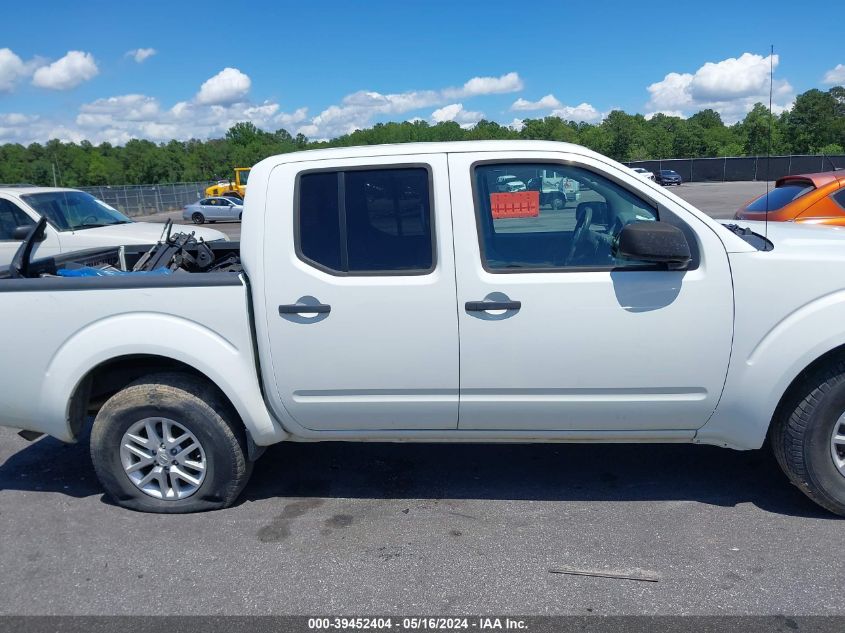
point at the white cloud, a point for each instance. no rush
(359, 109)
(223, 101)
(546, 103)
(289, 119)
(731, 87)
(732, 78)
(455, 112)
(121, 118)
(672, 92)
(67, 72)
(13, 68)
(510, 82)
(582, 113)
(835, 75)
(141, 54)
(132, 107)
(516, 124)
(27, 128)
(446, 113)
(228, 86)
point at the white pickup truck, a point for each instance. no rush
(377, 298)
(75, 220)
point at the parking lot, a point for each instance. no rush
(718, 199)
(422, 529)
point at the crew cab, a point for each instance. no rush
(376, 296)
(75, 220)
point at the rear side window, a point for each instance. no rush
(366, 221)
(781, 196)
(839, 197)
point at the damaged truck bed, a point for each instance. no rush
(175, 254)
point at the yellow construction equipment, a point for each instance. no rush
(236, 187)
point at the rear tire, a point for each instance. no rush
(198, 218)
(200, 412)
(804, 432)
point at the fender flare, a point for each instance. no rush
(228, 364)
(757, 383)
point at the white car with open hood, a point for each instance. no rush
(407, 293)
(75, 220)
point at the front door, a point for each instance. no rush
(573, 338)
(360, 294)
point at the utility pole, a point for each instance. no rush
(53, 165)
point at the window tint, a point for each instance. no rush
(319, 226)
(11, 217)
(554, 217)
(779, 197)
(375, 220)
(839, 197)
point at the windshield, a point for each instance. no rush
(74, 210)
(244, 175)
(668, 172)
(779, 197)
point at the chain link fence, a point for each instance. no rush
(735, 168)
(135, 200)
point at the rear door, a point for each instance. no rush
(556, 333)
(360, 294)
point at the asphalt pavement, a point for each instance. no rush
(413, 529)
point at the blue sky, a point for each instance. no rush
(325, 68)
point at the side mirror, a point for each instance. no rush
(656, 242)
(21, 232)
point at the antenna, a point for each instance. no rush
(769, 148)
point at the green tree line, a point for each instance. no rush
(815, 124)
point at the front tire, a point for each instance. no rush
(808, 436)
(198, 218)
(170, 443)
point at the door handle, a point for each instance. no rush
(483, 306)
(299, 308)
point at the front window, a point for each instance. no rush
(243, 175)
(74, 210)
(567, 217)
(781, 196)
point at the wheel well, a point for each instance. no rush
(109, 377)
(794, 393)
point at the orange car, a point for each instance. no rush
(810, 198)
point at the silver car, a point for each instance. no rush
(213, 210)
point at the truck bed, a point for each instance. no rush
(59, 329)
